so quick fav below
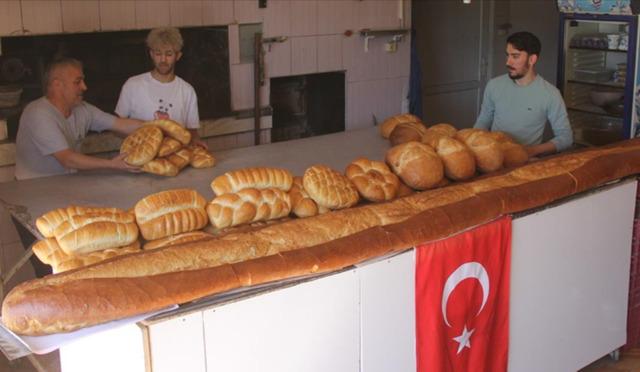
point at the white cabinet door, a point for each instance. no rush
(117, 15)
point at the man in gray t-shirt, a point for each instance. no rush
(52, 127)
(521, 102)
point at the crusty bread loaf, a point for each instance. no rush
(390, 123)
(373, 179)
(97, 236)
(191, 236)
(301, 203)
(172, 129)
(169, 146)
(459, 162)
(257, 178)
(201, 158)
(151, 280)
(161, 167)
(170, 212)
(79, 221)
(180, 158)
(432, 137)
(329, 188)
(444, 129)
(50, 253)
(515, 154)
(404, 190)
(406, 132)
(48, 222)
(416, 164)
(487, 152)
(248, 205)
(142, 145)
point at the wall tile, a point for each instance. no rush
(80, 16)
(376, 63)
(117, 15)
(330, 53)
(153, 13)
(217, 12)
(247, 11)
(10, 18)
(304, 55)
(186, 13)
(242, 86)
(382, 98)
(377, 14)
(336, 16)
(234, 44)
(277, 18)
(278, 59)
(304, 17)
(41, 16)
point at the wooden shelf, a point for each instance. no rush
(608, 84)
(599, 49)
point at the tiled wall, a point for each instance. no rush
(377, 81)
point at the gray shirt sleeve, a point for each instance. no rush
(485, 119)
(99, 120)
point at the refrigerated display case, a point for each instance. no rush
(596, 75)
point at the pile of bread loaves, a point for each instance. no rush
(442, 150)
(77, 236)
(162, 147)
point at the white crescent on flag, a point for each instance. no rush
(468, 270)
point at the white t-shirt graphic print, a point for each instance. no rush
(143, 97)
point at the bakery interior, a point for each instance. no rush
(309, 86)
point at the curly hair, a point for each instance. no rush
(165, 36)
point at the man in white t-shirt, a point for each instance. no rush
(160, 94)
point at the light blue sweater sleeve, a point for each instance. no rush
(559, 120)
(485, 119)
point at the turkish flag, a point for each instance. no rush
(462, 300)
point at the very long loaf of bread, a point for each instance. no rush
(151, 280)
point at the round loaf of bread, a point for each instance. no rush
(142, 145)
(373, 179)
(406, 132)
(486, 150)
(515, 154)
(161, 167)
(329, 188)
(432, 137)
(301, 203)
(458, 160)
(172, 129)
(388, 125)
(416, 164)
(169, 146)
(445, 129)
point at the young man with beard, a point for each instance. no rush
(520, 102)
(159, 93)
(52, 127)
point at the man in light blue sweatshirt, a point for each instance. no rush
(520, 102)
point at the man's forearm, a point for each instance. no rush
(125, 126)
(75, 160)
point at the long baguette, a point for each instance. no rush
(151, 280)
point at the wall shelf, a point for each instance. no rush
(395, 35)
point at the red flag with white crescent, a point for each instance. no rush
(462, 300)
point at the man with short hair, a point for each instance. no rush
(521, 101)
(52, 127)
(159, 93)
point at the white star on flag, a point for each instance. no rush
(464, 339)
